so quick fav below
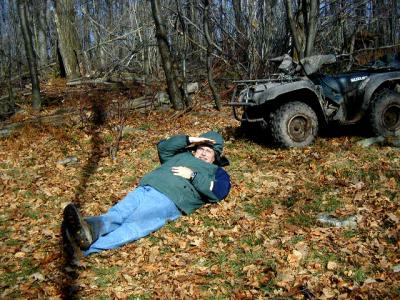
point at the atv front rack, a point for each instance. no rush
(245, 99)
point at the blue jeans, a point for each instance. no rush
(141, 212)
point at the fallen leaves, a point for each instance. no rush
(249, 246)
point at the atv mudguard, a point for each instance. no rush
(374, 82)
(279, 90)
(273, 92)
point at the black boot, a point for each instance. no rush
(77, 227)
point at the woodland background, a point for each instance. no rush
(182, 41)
(83, 105)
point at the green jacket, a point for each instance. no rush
(211, 183)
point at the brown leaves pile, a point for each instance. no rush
(263, 241)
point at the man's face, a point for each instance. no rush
(205, 153)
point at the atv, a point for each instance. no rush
(292, 108)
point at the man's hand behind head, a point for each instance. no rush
(194, 140)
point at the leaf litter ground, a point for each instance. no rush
(263, 241)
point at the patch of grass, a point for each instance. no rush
(256, 208)
(217, 298)
(105, 275)
(323, 256)
(392, 195)
(4, 233)
(301, 219)
(13, 242)
(368, 175)
(30, 213)
(209, 222)
(145, 126)
(26, 269)
(269, 287)
(106, 271)
(221, 259)
(251, 185)
(359, 275)
(350, 233)
(153, 239)
(245, 258)
(28, 194)
(146, 154)
(329, 205)
(102, 297)
(141, 297)
(318, 190)
(289, 201)
(108, 138)
(391, 240)
(252, 241)
(110, 169)
(395, 291)
(5, 165)
(129, 180)
(178, 228)
(298, 238)
(13, 172)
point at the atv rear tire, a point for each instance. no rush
(294, 124)
(385, 113)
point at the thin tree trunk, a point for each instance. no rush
(394, 23)
(211, 83)
(163, 46)
(312, 21)
(293, 29)
(41, 32)
(30, 54)
(303, 32)
(241, 34)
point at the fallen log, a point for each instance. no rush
(55, 119)
(74, 115)
(89, 81)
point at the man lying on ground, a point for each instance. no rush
(190, 175)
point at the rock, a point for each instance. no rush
(4, 132)
(162, 98)
(331, 265)
(37, 276)
(396, 268)
(192, 87)
(69, 160)
(350, 222)
(391, 140)
(370, 141)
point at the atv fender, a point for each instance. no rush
(374, 82)
(277, 91)
(281, 89)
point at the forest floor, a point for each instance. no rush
(263, 241)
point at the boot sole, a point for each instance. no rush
(77, 227)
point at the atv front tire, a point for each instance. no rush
(385, 113)
(294, 124)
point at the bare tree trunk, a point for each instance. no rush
(165, 53)
(185, 46)
(30, 54)
(192, 17)
(294, 29)
(211, 83)
(311, 26)
(394, 23)
(241, 36)
(303, 30)
(40, 28)
(69, 44)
